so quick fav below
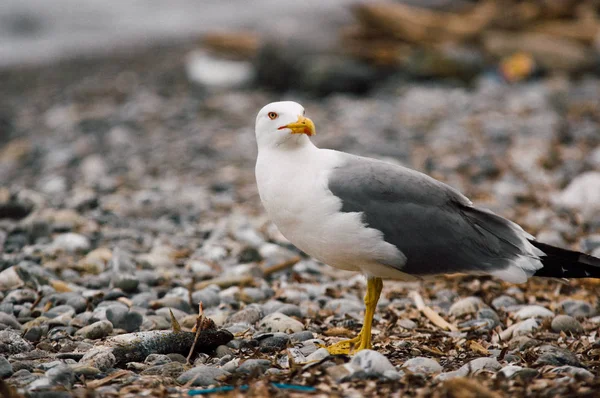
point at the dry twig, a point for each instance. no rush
(433, 316)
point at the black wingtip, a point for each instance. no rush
(563, 263)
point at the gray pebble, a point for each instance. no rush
(9, 321)
(249, 315)
(99, 358)
(6, 369)
(550, 355)
(318, 355)
(254, 366)
(97, 330)
(567, 324)
(202, 376)
(143, 299)
(577, 308)
(277, 322)
(467, 305)
(222, 351)
(371, 362)
(302, 336)
(127, 283)
(422, 365)
(157, 359)
(407, 324)
(34, 334)
(534, 311)
(209, 297)
(344, 306)
(580, 373)
(274, 343)
(503, 302)
(121, 318)
(71, 242)
(11, 343)
(61, 375)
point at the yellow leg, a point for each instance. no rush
(363, 340)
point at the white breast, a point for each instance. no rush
(293, 188)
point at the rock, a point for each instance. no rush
(61, 375)
(567, 324)
(510, 370)
(223, 351)
(124, 319)
(521, 343)
(318, 355)
(127, 283)
(407, 324)
(169, 369)
(274, 343)
(209, 297)
(422, 365)
(579, 373)
(10, 321)
(6, 369)
(71, 242)
(577, 308)
(302, 336)
(172, 302)
(277, 322)
(254, 366)
(476, 365)
(97, 330)
(371, 362)
(34, 334)
(550, 355)
(157, 359)
(11, 343)
(467, 305)
(202, 376)
(533, 311)
(249, 315)
(99, 358)
(344, 306)
(582, 194)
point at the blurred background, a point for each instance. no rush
(104, 102)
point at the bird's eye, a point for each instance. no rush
(273, 115)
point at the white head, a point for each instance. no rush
(281, 123)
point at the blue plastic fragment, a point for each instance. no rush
(282, 386)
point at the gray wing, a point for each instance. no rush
(432, 224)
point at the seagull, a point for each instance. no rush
(387, 221)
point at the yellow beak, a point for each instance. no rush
(303, 126)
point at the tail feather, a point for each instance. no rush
(562, 263)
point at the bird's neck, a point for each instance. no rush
(297, 144)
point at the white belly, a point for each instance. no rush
(297, 199)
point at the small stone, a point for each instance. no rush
(127, 283)
(521, 343)
(422, 365)
(223, 350)
(202, 376)
(344, 306)
(503, 302)
(97, 330)
(318, 355)
(567, 324)
(371, 362)
(533, 311)
(407, 324)
(169, 369)
(61, 375)
(550, 355)
(71, 242)
(209, 297)
(10, 321)
(34, 334)
(582, 194)
(121, 318)
(249, 315)
(274, 343)
(579, 373)
(577, 308)
(6, 369)
(277, 322)
(254, 366)
(157, 359)
(480, 364)
(510, 370)
(302, 336)
(99, 358)
(12, 343)
(467, 305)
